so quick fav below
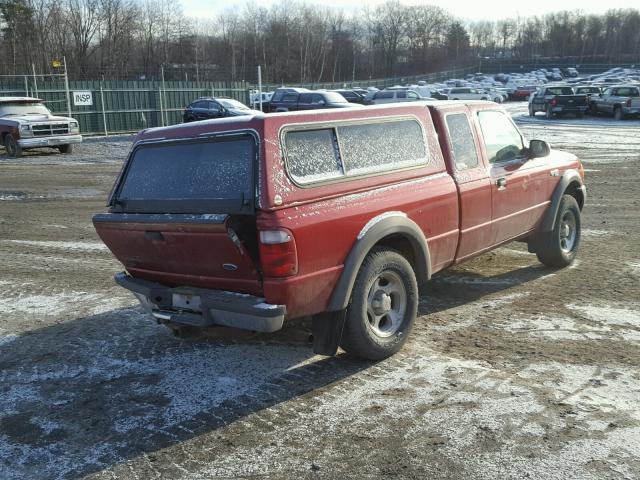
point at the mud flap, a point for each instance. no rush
(326, 329)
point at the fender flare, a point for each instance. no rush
(380, 227)
(569, 178)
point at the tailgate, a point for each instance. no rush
(185, 249)
(572, 100)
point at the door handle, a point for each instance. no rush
(154, 236)
(501, 182)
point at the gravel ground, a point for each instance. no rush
(513, 370)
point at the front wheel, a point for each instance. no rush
(65, 149)
(383, 306)
(14, 150)
(559, 247)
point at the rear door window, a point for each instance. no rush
(203, 176)
(464, 148)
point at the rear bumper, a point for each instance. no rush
(203, 307)
(631, 110)
(571, 109)
(33, 142)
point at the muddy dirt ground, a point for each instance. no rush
(513, 370)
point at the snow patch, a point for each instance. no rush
(595, 233)
(621, 317)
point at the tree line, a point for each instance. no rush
(294, 42)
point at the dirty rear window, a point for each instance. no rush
(204, 176)
(382, 146)
(312, 155)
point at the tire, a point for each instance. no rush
(383, 306)
(65, 149)
(549, 113)
(579, 115)
(531, 112)
(594, 109)
(14, 150)
(559, 247)
(617, 114)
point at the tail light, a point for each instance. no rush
(278, 254)
(628, 102)
(554, 102)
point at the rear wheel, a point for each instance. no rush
(531, 112)
(11, 145)
(549, 112)
(617, 113)
(383, 306)
(559, 247)
(65, 148)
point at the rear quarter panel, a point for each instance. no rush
(326, 219)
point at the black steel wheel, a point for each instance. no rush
(559, 247)
(383, 306)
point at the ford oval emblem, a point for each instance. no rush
(230, 267)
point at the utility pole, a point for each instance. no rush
(66, 85)
(260, 85)
(35, 81)
(197, 71)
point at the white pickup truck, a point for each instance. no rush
(26, 123)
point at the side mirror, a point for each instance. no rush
(538, 149)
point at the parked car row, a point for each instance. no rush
(620, 101)
(554, 92)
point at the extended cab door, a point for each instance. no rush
(518, 185)
(466, 165)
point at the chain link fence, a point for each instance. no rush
(111, 107)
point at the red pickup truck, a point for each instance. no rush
(338, 215)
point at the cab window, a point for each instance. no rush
(501, 138)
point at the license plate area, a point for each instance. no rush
(183, 301)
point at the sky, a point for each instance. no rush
(464, 9)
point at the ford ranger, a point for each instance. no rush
(26, 123)
(338, 215)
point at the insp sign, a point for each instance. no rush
(82, 98)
